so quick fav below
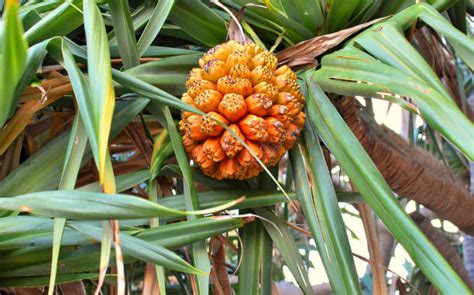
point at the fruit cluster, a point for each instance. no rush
(242, 86)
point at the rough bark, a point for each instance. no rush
(443, 244)
(468, 245)
(387, 243)
(285, 288)
(411, 172)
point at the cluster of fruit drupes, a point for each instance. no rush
(242, 86)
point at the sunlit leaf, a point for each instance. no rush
(122, 21)
(143, 250)
(317, 196)
(199, 21)
(72, 164)
(101, 100)
(12, 57)
(285, 243)
(153, 27)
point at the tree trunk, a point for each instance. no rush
(411, 172)
(443, 244)
(468, 245)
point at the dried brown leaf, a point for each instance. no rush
(73, 288)
(219, 269)
(304, 53)
(149, 280)
(35, 99)
(235, 30)
(118, 257)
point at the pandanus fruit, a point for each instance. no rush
(242, 86)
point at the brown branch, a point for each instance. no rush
(219, 275)
(150, 283)
(378, 274)
(411, 172)
(35, 100)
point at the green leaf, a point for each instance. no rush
(155, 222)
(265, 182)
(199, 249)
(35, 56)
(339, 14)
(86, 205)
(74, 154)
(277, 22)
(156, 51)
(36, 233)
(101, 100)
(457, 15)
(463, 45)
(81, 259)
(175, 235)
(147, 90)
(127, 44)
(287, 247)
(58, 22)
(365, 12)
(12, 58)
(15, 224)
(39, 7)
(58, 233)
(253, 198)
(96, 206)
(266, 254)
(154, 25)
(123, 182)
(173, 170)
(36, 261)
(142, 250)
(392, 48)
(341, 72)
(96, 101)
(317, 197)
(337, 136)
(250, 252)
(162, 149)
(41, 238)
(139, 18)
(72, 164)
(26, 256)
(40, 281)
(199, 21)
(169, 73)
(307, 11)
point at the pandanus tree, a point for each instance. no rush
(165, 146)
